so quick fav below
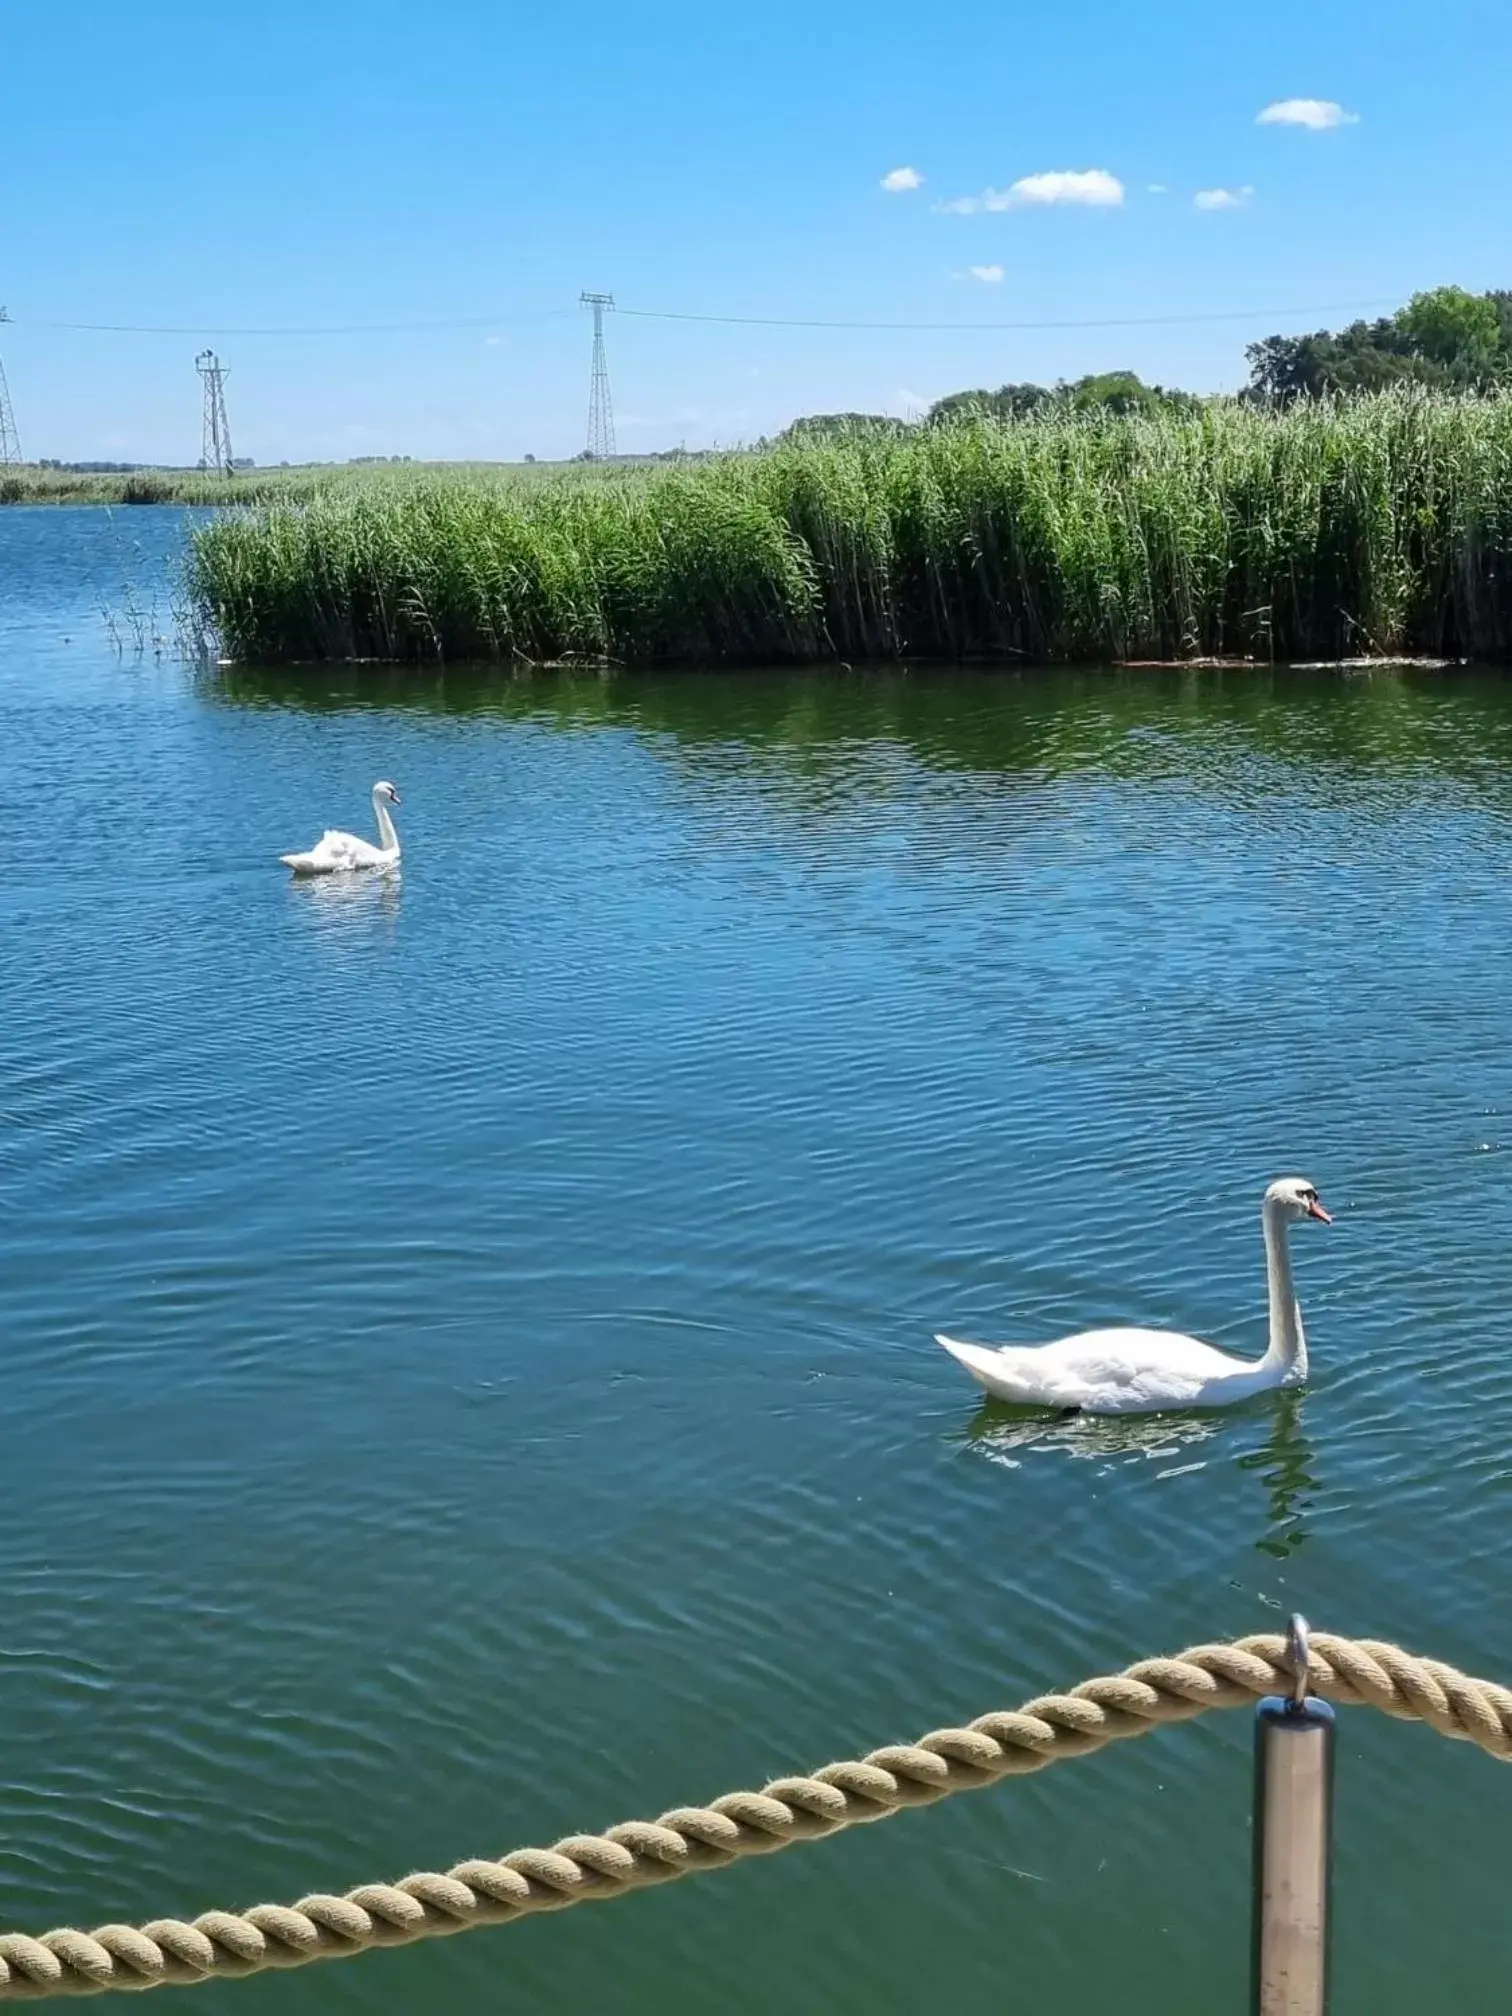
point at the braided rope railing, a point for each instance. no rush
(222, 1945)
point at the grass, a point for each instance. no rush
(1378, 527)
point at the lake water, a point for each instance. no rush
(467, 1358)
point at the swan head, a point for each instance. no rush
(1295, 1197)
(383, 789)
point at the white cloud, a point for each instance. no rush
(897, 179)
(1223, 199)
(1318, 115)
(1156, 189)
(1093, 188)
(991, 275)
(492, 342)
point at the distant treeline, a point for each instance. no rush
(1103, 392)
(94, 468)
(1446, 340)
(132, 468)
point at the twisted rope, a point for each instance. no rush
(221, 1945)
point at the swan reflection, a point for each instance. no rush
(342, 904)
(1006, 1434)
(1283, 1457)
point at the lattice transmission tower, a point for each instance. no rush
(215, 449)
(10, 441)
(600, 405)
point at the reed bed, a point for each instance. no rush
(1377, 527)
(31, 484)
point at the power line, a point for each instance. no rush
(310, 329)
(732, 321)
(1089, 322)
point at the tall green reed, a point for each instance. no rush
(1376, 527)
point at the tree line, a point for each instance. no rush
(1446, 339)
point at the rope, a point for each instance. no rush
(223, 1945)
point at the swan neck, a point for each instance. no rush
(388, 839)
(1287, 1350)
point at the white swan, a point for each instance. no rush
(338, 853)
(1129, 1371)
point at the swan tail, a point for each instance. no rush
(993, 1368)
(303, 864)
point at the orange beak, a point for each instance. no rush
(1315, 1210)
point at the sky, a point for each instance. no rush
(313, 164)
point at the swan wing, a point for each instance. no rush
(335, 852)
(1113, 1371)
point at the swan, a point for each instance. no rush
(1129, 1371)
(338, 853)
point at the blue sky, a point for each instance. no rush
(330, 163)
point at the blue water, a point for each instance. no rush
(466, 1339)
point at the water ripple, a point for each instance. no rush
(468, 1335)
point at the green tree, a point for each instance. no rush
(1009, 402)
(1446, 338)
(1122, 392)
(1461, 331)
(1098, 392)
(829, 426)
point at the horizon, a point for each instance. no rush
(1157, 187)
